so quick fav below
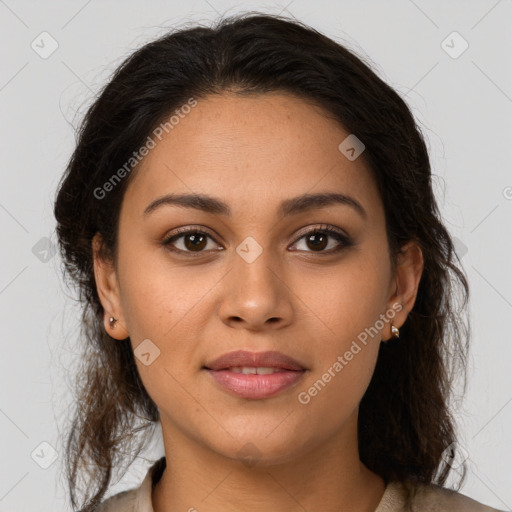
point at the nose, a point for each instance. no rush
(255, 294)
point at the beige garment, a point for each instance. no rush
(429, 498)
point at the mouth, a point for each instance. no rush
(249, 383)
(255, 375)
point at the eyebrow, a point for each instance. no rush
(293, 206)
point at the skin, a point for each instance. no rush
(253, 152)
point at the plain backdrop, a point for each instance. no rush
(449, 60)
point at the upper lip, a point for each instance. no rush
(241, 358)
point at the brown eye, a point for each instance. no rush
(318, 239)
(191, 241)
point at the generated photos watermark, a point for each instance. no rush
(304, 397)
(158, 133)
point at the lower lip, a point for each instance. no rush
(254, 385)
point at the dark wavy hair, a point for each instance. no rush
(405, 424)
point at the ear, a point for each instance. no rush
(107, 286)
(405, 283)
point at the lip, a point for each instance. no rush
(255, 386)
(270, 359)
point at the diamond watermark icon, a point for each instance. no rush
(249, 454)
(351, 147)
(460, 247)
(146, 352)
(454, 45)
(249, 249)
(44, 249)
(44, 455)
(455, 455)
(44, 45)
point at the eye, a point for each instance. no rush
(318, 239)
(194, 240)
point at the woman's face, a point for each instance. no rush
(257, 280)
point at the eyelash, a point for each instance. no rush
(344, 240)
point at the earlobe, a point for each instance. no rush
(108, 291)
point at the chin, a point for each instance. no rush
(254, 450)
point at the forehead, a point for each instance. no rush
(251, 149)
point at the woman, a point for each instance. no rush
(250, 220)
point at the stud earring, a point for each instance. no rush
(395, 331)
(112, 321)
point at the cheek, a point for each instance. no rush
(165, 303)
(347, 344)
(349, 305)
(157, 295)
(335, 391)
(349, 300)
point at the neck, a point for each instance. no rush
(197, 478)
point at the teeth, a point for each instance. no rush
(260, 370)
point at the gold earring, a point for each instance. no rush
(395, 331)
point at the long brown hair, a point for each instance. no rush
(405, 424)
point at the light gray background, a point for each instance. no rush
(464, 105)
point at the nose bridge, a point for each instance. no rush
(255, 263)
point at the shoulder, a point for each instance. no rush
(137, 499)
(121, 502)
(434, 498)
